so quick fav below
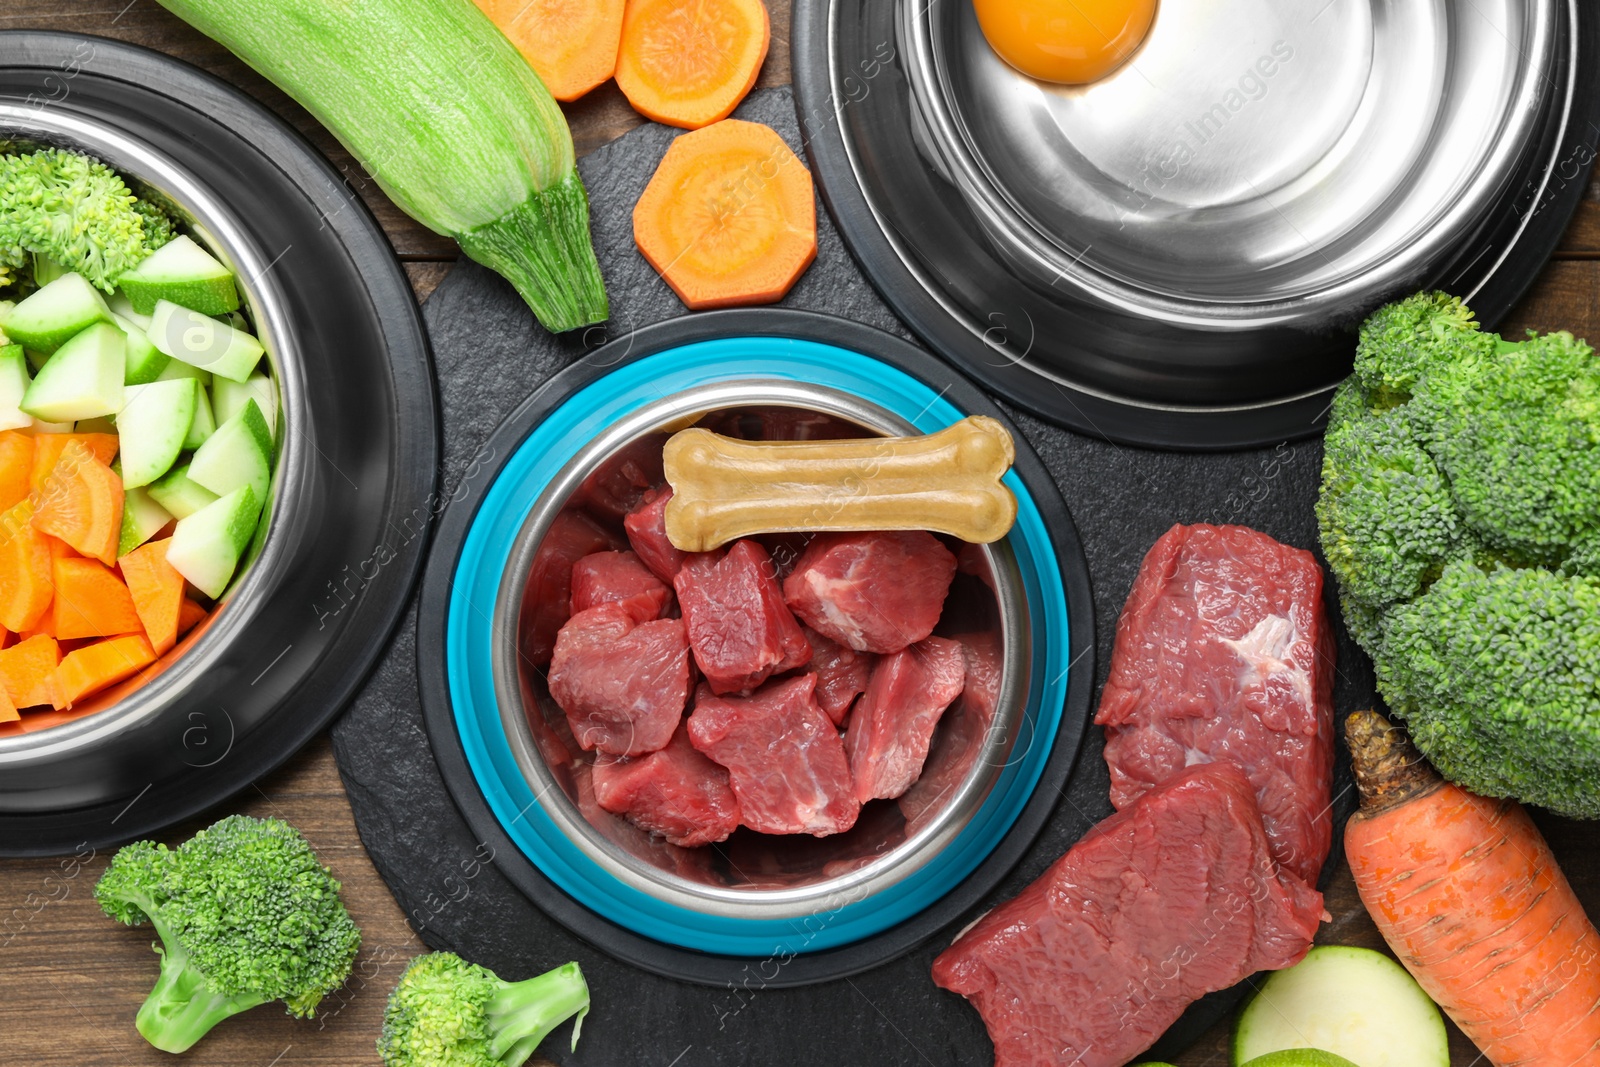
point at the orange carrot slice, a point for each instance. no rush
(689, 64)
(28, 671)
(47, 449)
(8, 710)
(730, 217)
(80, 502)
(16, 467)
(572, 44)
(157, 590)
(190, 615)
(25, 576)
(93, 667)
(91, 601)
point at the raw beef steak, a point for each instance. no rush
(619, 577)
(623, 684)
(958, 741)
(892, 725)
(842, 674)
(646, 526)
(547, 604)
(873, 592)
(675, 792)
(784, 758)
(1224, 652)
(1165, 901)
(739, 628)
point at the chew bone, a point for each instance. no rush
(947, 482)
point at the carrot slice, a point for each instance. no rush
(16, 467)
(25, 576)
(93, 667)
(47, 449)
(689, 64)
(730, 217)
(8, 710)
(157, 590)
(28, 671)
(91, 601)
(81, 503)
(572, 44)
(190, 615)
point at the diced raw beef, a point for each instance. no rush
(785, 550)
(676, 792)
(1169, 899)
(892, 725)
(958, 742)
(874, 592)
(646, 526)
(618, 484)
(784, 758)
(842, 674)
(739, 628)
(1224, 652)
(547, 604)
(782, 424)
(619, 577)
(623, 684)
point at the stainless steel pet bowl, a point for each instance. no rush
(755, 876)
(1257, 163)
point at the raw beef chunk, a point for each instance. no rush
(873, 592)
(675, 792)
(623, 684)
(890, 729)
(1224, 652)
(739, 628)
(958, 742)
(616, 486)
(784, 758)
(619, 577)
(646, 526)
(1174, 897)
(547, 603)
(842, 674)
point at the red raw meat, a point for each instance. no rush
(547, 603)
(675, 792)
(1224, 653)
(892, 725)
(646, 526)
(616, 486)
(874, 592)
(1170, 899)
(842, 674)
(960, 737)
(739, 628)
(784, 758)
(619, 577)
(623, 684)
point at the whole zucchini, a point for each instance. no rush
(447, 117)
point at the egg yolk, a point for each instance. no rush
(1068, 41)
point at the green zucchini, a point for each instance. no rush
(447, 117)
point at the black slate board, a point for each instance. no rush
(490, 354)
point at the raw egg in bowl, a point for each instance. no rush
(1072, 42)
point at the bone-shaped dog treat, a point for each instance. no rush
(947, 482)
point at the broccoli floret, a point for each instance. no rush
(1402, 341)
(447, 1012)
(77, 211)
(246, 915)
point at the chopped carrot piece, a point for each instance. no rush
(157, 590)
(572, 44)
(689, 65)
(93, 667)
(28, 671)
(47, 449)
(190, 615)
(16, 468)
(730, 217)
(91, 601)
(25, 579)
(81, 503)
(8, 710)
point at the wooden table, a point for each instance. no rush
(70, 981)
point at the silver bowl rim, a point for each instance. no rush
(755, 903)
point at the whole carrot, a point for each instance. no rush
(1468, 895)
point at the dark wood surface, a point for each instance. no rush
(70, 980)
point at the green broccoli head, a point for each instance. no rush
(77, 211)
(446, 1012)
(246, 915)
(1460, 513)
